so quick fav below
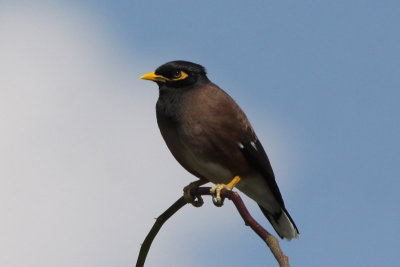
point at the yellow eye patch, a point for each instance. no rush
(180, 76)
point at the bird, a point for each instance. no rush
(211, 137)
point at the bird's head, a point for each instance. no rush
(177, 74)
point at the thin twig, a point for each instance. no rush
(156, 227)
(269, 239)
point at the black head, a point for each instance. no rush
(177, 74)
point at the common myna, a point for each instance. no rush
(211, 137)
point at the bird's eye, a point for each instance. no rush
(177, 74)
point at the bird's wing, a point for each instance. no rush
(255, 154)
(225, 125)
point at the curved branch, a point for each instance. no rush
(156, 227)
(269, 239)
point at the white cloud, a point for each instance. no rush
(83, 168)
(81, 156)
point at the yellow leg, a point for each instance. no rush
(186, 190)
(216, 190)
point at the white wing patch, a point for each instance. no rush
(254, 145)
(251, 143)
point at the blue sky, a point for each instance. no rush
(319, 81)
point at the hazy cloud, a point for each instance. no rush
(83, 168)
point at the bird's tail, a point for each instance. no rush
(282, 223)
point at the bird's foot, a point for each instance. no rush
(196, 201)
(215, 191)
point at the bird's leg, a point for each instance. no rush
(195, 201)
(216, 190)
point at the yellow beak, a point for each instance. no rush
(153, 77)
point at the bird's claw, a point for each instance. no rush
(196, 201)
(218, 202)
(215, 192)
